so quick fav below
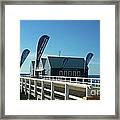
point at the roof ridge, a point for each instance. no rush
(60, 62)
(66, 57)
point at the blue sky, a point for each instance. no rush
(71, 37)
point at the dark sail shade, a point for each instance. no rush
(40, 48)
(88, 58)
(24, 56)
(65, 60)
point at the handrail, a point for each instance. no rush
(26, 81)
(91, 81)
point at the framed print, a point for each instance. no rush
(59, 59)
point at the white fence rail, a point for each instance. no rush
(57, 87)
(95, 82)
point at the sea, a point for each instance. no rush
(94, 76)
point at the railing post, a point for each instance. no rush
(76, 80)
(91, 81)
(29, 89)
(52, 91)
(86, 91)
(95, 83)
(35, 88)
(66, 91)
(64, 79)
(21, 84)
(42, 90)
(25, 88)
(83, 80)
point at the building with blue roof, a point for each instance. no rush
(65, 66)
(60, 66)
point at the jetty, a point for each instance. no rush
(59, 88)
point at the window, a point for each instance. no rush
(60, 73)
(69, 73)
(78, 73)
(65, 73)
(74, 73)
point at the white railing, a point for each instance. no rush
(45, 87)
(94, 82)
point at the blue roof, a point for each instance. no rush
(66, 62)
